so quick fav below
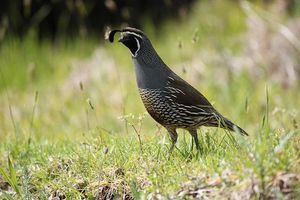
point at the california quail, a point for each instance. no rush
(170, 100)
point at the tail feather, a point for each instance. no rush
(223, 122)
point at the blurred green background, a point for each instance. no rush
(70, 111)
(49, 48)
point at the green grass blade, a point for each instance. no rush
(11, 178)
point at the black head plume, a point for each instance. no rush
(111, 35)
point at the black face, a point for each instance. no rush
(131, 41)
(130, 37)
(131, 44)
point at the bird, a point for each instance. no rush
(170, 100)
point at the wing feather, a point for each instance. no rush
(187, 97)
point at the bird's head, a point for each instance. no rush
(132, 38)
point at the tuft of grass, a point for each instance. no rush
(11, 178)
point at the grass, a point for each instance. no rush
(77, 129)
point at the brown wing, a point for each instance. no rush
(186, 94)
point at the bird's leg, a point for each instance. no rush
(192, 146)
(194, 134)
(173, 135)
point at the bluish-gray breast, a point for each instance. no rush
(150, 75)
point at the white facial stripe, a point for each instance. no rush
(135, 34)
(139, 46)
